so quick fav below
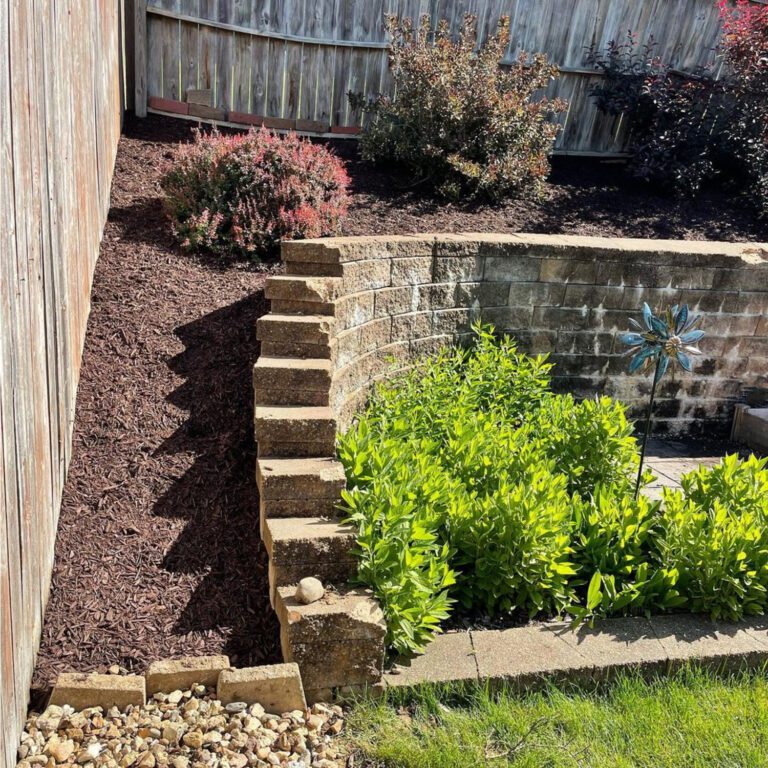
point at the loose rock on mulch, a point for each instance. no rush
(182, 729)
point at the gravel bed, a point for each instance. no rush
(182, 729)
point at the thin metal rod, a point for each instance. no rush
(647, 425)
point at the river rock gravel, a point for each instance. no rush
(182, 729)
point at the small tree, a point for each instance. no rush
(463, 124)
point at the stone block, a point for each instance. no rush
(449, 657)
(313, 269)
(322, 290)
(657, 298)
(603, 296)
(448, 321)
(275, 425)
(416, 270)
(458, 269)
(282, 375)
(567, 271)
(181, 674)
(487, 294)
(277, 687)
(506, 319)
(416, 325)
(352, 311)
(308, 541)
(360, 276)
(536, 294)
(82, 691)
(395, 301)
(269, 508)
(330, 572)
(321, 478)
(376, 334)
(295, 349)
(512, 268)
(337, 663)
(349, 615)
(287, 307)
(439, 296)
(295, 329)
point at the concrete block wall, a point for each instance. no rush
(351, 311)
(393, 298)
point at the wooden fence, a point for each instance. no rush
(60, 116)
(294, 61)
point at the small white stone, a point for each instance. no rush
(310, 590)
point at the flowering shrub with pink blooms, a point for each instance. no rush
(239, 195)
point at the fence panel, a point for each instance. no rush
(61, 87)
(286, 62)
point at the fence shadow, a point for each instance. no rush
(217, 495)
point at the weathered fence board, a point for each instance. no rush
(296, 60)
(61, 86)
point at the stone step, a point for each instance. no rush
(291, 381)
(312, 330)
(308, 546)
(305, 289)
(336, 641)
(294, 430)
(299, 487)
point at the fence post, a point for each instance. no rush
(140, 57)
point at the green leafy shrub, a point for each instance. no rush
(240, 194)
(461, 123)
(715, 535)
(472, 484)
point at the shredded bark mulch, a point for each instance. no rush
(158, 552)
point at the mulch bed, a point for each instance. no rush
(158, 552)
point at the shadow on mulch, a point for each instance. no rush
(217, 495)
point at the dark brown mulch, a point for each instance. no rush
(583, 197)
(158, 552)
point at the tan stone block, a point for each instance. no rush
(295, 349)
(487, 294)
(300, 478)
(412, 271)
(338, 663)
(286, 373)
(603, 296)
(395, 301)
(512, 268)
(181, 674)
(313, 269)
(571, 271)
(330, 572)
(457, 269)
(506, 319)
(536, 294)
(376, 334)
(354, 310)
(81, 690)
(417, 325)
(277, 687)
(321, 290)
(296, 329)
(451, 321)
(440, 296)
(307, 540)
(307, 424)
(271, 508)
(285, 307)
(349, 615)
(360, 276)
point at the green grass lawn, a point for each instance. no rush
(691, 719)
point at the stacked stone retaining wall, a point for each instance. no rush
(350, 311)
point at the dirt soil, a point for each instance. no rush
(158, 552)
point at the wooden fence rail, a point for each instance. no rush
(294, 61)
(60, 113)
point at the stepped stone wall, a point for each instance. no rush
(350, 311)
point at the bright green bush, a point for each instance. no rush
(471, 483)
(715, 535)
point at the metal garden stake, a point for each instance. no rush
(670, 336)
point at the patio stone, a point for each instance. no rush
(687, 638)
(614, 643)
(448, 657)
(277, 687)
(179, 674)
(525, 654)
(81, 690)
